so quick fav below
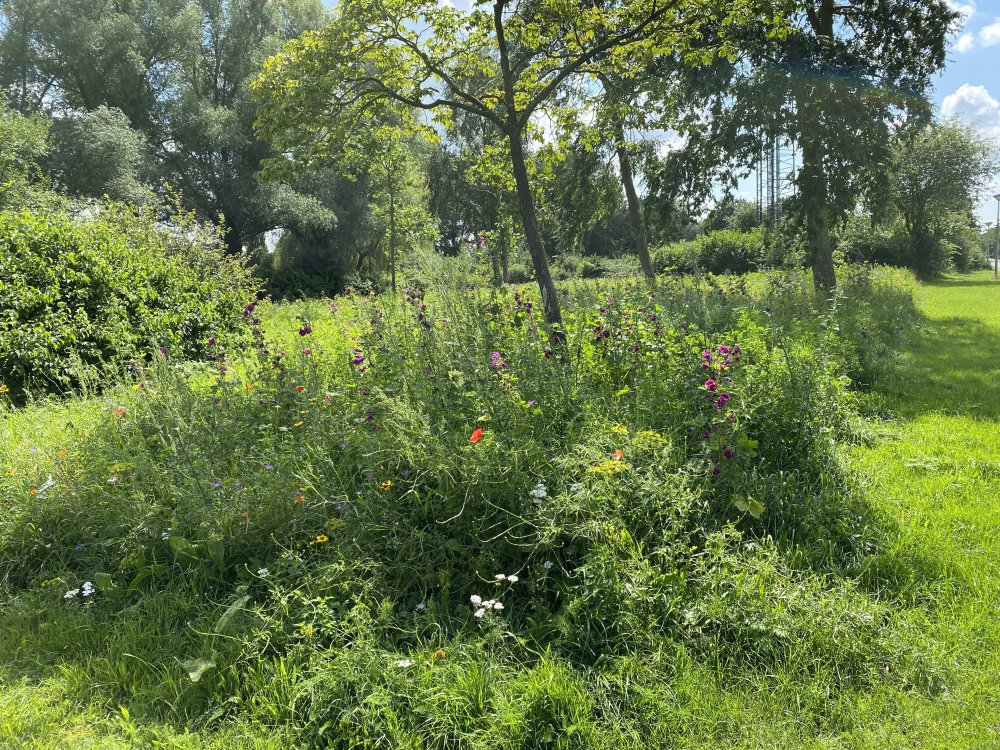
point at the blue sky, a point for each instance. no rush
(969, 87)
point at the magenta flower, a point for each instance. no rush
(711, 384)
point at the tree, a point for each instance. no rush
(938, 172)
(23, 143)
(179, 71)
(837, 84)
(504, 66)
(98, 153)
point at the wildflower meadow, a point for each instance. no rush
(412, 522)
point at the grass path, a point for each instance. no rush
(936, 474)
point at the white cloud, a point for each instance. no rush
(974, 105)
(966, 9)
(990, 35)
(965, 43)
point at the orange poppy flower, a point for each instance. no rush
(617, 455)
(476, 436)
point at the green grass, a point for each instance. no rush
(859, 612)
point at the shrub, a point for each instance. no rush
(724, 251)
(98, 289)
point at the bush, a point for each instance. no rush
(724, 251)
(99, 289)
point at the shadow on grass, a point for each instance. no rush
(952, 366)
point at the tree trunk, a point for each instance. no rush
(634, 206)
(812, 186)
(392, 238)
(513, 130)
(824, 276)
(234, 241)
(532, 236)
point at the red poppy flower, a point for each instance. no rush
(617, 455)
(476, 436)
(299, 388)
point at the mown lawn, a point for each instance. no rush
(927, 460)
(935, 471)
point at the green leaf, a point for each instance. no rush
(230, 613)
(103, 581)
(196, 668)
(217, 551)
(183, 550)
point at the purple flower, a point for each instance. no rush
(727, 451)
(248, 310)
(307, 351)
(707, 355)
(216, 484)
(211, 341)
(548, 354)
(716, 471)
(723, 349)
(164, 351)
(305, 330)
(268, 467)
(497, 362)
(711, 384)
(359, 358)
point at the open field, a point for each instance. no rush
(303, 550)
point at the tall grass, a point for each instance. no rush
(415, 523)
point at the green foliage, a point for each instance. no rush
(722, 251)
(98, 153)
(938, 173)
(23, 143)
(314, 536)
(177, 74)
(88, 293)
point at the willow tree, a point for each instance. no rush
(505, 62)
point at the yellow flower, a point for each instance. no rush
(386, 485)
(322, 538)
(4, 388)
(63, 454)
(248, 386)
(439, 654)
(298, 424)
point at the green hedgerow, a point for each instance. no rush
(90, 292)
